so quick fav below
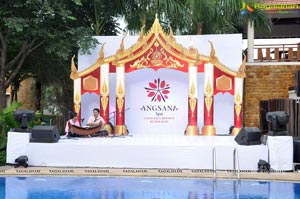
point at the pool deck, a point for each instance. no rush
(10, 170)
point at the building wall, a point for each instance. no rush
(262, 83)
(26, 94)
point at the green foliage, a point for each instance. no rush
(220, 16)
(2, 158)
(53, 29)
(142, 12)
(7, 122)
(37, 120)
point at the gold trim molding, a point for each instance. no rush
(235, 131)
(74, 73)
(208, 130)
(120, 130)
(192, 131)
(168, 42)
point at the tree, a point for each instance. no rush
(26, 26)
(223, 16)
(257, 19)
(142, 12)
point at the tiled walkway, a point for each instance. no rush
(185, 173)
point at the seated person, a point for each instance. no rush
(96, 119)
(72, 121)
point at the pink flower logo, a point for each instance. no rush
(158, 90)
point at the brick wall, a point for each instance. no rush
(263, 83)
(26, 94)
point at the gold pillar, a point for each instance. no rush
(192, 128)
(77, 97)
(208, 128)
(238, 104)
(104, 95)
(120, 128)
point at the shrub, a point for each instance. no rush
(7, 122)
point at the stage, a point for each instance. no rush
(170, 152)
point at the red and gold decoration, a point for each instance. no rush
(104, 96)
(156, 50)
(192, 128)
(120, 128)
(77, 87)
(208, 128)
(238, 97)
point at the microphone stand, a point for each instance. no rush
(124, 121)
(114, 122)
(66, 109)
(114, 117)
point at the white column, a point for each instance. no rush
(250, 41)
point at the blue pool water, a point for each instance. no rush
(141, 188)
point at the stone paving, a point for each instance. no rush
(10, 170)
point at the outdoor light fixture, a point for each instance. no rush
(277, 122)
(23, 117)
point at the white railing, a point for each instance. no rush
(214, 162)
(236, 163)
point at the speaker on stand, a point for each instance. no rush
(44, 134)
(249, 136)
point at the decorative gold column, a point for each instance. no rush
(77, 88)
(120, 128)
(77, 97)
(208, 128)
(104, 95)
(192, 128)
(238, 98)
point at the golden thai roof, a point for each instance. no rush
(156, 49)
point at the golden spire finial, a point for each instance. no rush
(212, 58)
(191, 42)
(100, 59)
(101, 54)
(242, 68)
(74, 74)
(141, 37)
(122, 43)
(171, 35)
(192, 50)
(121, 49)
(156, 28)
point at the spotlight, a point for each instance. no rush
(23, 117)
(263, 166)
(277, 122)
(21, 161)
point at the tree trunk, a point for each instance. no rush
(12, 94)
(2, 95)
(199, 28)
(38, 90)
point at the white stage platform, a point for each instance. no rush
(195, 152)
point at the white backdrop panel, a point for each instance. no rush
(147, 116)
(143, 122)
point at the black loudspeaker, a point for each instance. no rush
(297, 83)
(45, 134)
(297, 151)
(249, 136)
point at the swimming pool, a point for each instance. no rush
(141, 188)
